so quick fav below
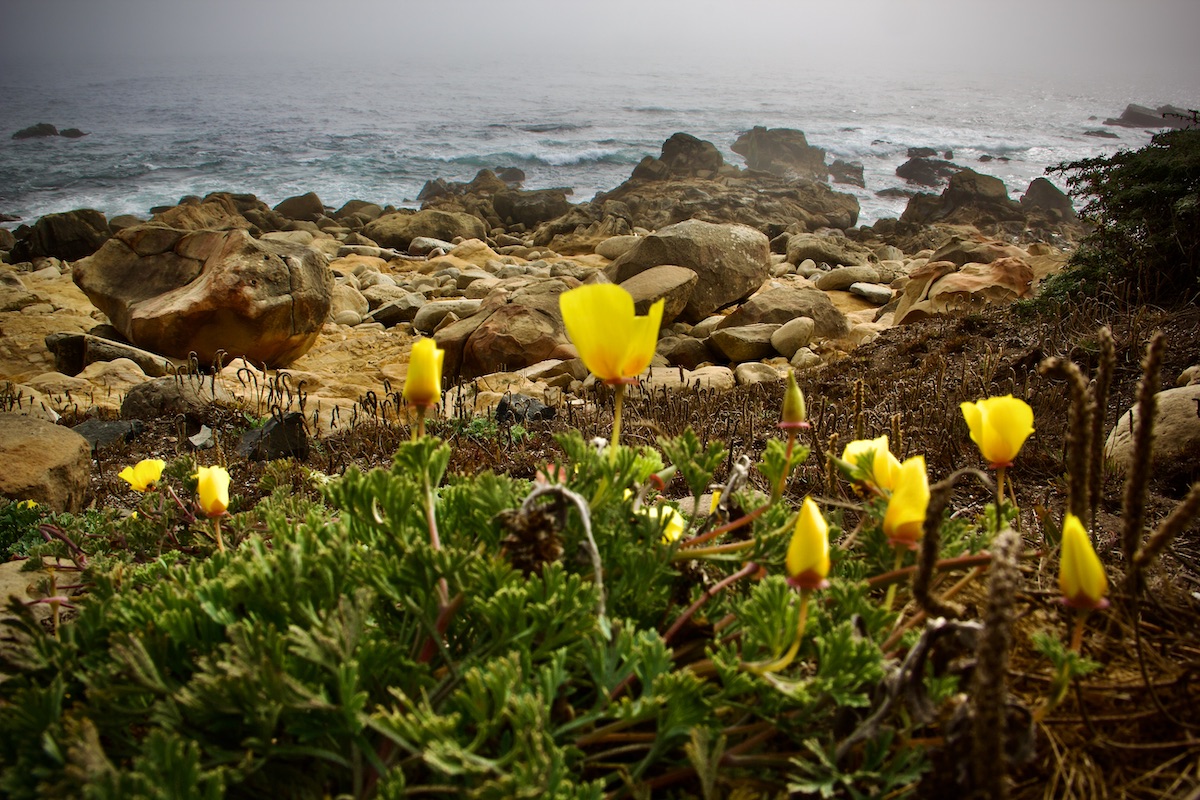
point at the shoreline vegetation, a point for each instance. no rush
(966, 560)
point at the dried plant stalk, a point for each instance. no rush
(1138, 481)
(1100, 391)
(989, 686)
(1079, 433)
(1167, 530)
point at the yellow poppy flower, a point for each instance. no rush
(795, 413)
(808, 552)
(212, 486)
(672, 521)
(904, 522)
(1081, 576)
(883, 466)
(423, 383)
(144, 474)
(999, 425)
(615, 344)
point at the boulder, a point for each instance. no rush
(614, 247)
(1176, 452)
(848, 172)
(873, 292)
(783, 304)
(711, 377)
(792, 335)
(684, 154)
(843, 278)
(740, 343)
(684, 351)
(1044, 196)
(398, 230)
(730, 262)
(207, 292)
(782, 151)
(753, 372)
(530, 208)
(672, 284)
(512, 337)
(193, 396)
(926, 171)
(970, 198)
(305, 207)
(74, 351)
(960, 251)
(44, 462)
(70, 235)
(834, 250)
(283, 436)
(938, 288)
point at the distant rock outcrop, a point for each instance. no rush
(781, 151)
(1168, 116)
(70, 235)
(45, 129)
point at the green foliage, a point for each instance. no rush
(384, 643)
(19, 527)
(1145, 206)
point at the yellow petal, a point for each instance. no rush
(999, 426)
(904, 522)
(613, 342)
(144, 474)
(881, 465)
(1081, 576)
(212, 488)
(423, 383)
(808, 553)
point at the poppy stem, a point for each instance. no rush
(891, 592)
(1077, 632)
(217, 534)
(1000, 475)
(784, 661)
(419, 431)
(618, 404)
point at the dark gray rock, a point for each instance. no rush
(522, 408)
(105, 433)
(281, 437)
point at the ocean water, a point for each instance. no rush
(378, 130)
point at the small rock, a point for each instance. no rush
(104, 433)
(793, 335)
(881, 295)
(281, 437)
(754, 372)
(521, 408)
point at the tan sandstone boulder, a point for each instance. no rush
(43, 462)
(730, 262)
(176, 292)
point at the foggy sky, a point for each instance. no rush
(1101, 38)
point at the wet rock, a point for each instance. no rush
(782, 151)
(70, 235)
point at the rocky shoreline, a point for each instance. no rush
(763, 269)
